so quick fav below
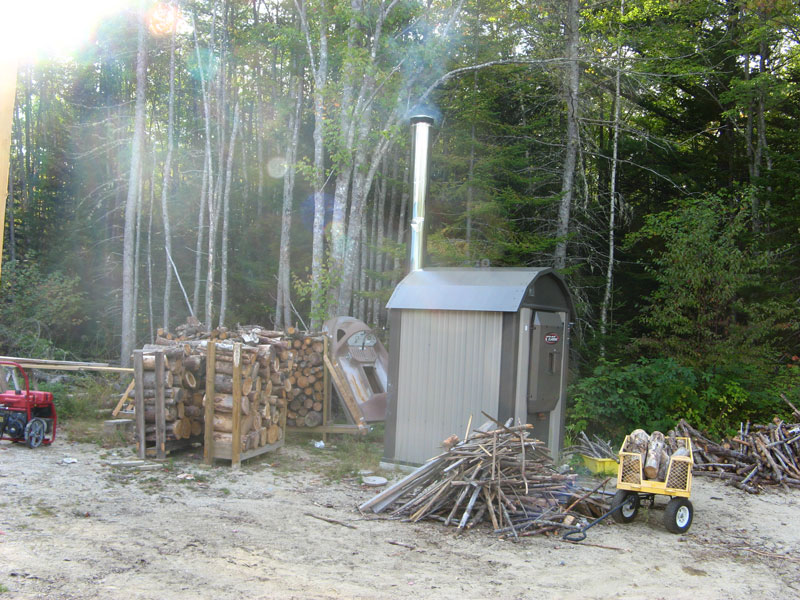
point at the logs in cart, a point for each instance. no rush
(498, 475)
(760, 455)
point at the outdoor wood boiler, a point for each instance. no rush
(469, 340)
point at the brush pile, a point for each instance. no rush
(498, 475)
(760, 455)
(594, 448)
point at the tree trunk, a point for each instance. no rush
(283, 306)
(130, 204)
(166, 183)
(573, 135)
(223, 302)
(612, 202)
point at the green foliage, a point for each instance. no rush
(653, 394)
(705, 310)
(39, 311)
(82, 398)
(323, 292)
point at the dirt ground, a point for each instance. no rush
(73, 524)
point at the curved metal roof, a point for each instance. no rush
(493, 289)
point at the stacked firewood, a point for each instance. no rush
(498, 475)
(259, 416)
(767, 454)
(301, 371)
(183, 413)
(266, 383)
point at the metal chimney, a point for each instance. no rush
(421, 124)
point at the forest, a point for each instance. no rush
(247, 161)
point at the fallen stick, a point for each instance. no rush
(598, 546)
(334, 521)
(403, 544)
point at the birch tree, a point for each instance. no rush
(128, 300)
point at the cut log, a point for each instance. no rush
(194, 363)
(170, 414)
(197, 428)
(274, 434)
(313, 419)
(637, 442)
(655, 448)
(149, 362)
(189, 380)
(224, 384)
(224, 403)
(149, 379)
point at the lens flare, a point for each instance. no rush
(162, 19)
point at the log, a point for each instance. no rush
(227, 438)
(170, 413)
(313, 419)
(149, 362)
(262, 437)
(194, 363)
(224, 403)
(638, 441)
(655, 448)
(172, 351)
(274, 434)
(189, 380)
(197, 428)
(149, 379)
(224, 384)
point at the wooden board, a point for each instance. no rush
(346, 395)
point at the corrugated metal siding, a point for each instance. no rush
(449, 370)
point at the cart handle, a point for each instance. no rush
(579, 534)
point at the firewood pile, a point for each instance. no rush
(760, 455)
(183, 412)
(259, 416)
(277, 368)
(498, 475)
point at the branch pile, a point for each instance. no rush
(760, 455)
(594, 448)
(500, 476)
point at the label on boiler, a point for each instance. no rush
(551, 338)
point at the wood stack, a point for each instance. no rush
(259, 409)
(760, 455)
(300, 374)
(499, 475)
(262, 422)
(182, 417)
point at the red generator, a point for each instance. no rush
(27, 416)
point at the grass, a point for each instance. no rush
(82, 406)
(3, 589)
(343, 456)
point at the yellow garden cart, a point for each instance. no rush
(632, 487)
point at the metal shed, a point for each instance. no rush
(470, 340)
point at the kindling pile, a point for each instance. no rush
(499, 475)
(760, 455)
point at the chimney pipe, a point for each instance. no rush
(421, 125)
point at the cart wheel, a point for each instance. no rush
(630, 506)
(678, 515)
(34, 432)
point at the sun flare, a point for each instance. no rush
(51, 28)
